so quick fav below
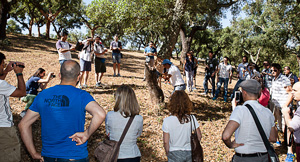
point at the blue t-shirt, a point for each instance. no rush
(62, 111)
(32, 85)
(150, 50)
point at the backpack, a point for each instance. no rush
(79, 46)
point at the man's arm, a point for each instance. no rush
(98, 117)
(25, 127)
(273, 135)
(166, 139)
(228, 132)
(21, 89)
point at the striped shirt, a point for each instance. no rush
(6, 119)
(278, 91)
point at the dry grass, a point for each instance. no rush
(212, 115)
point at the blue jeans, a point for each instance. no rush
(116, 57)
(219, 85)
(205, 82)
(62, 61)
(49, 159)
(179, 87)
(236, 87)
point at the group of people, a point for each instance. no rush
(62, 109)
(92, 49)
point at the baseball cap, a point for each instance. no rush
(251, 86)
(166, 61)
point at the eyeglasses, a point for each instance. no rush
(274, 71)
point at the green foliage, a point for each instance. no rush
(13, 27)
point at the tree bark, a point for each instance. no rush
(174, 27)
(30, 27)
(39, 31)
(4, 15)
(48, 29)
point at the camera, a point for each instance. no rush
(21, 66)
(53, 76)
(238, 97)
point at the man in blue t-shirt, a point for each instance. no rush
(62, 109)
(150, 52)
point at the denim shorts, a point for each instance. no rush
(85, 65)
(49, 159)
(116, 57)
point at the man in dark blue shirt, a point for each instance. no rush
(62, 109)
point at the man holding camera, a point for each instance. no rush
(85, 57)
(248, 144)
(62, 109)
(64, 48)
(211, 68)
(9, 140)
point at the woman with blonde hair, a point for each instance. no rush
(126, 106)
(177, 128)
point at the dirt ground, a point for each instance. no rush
(211, 115)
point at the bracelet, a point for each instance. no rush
(19, 74)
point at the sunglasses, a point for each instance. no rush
(274, 71)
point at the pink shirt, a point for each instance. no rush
(264, 97)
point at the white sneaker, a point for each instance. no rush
(194, 88)
(84, 86)
(203, 94)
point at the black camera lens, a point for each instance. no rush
(53, 76)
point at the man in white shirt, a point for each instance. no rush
(224, 73)
(242, 68)
(248, 144)
(9, 140)
(100, 67)
(64, 48)
(174, 75)
(85, 57)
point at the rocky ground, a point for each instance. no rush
(212, 115)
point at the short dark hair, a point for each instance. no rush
(210, 52)
(151, 42)
(227, 58)
(277, 66)
(246, 58)
(288, 67)
(69, 72)
(2, 57)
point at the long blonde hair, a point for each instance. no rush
(126, 101)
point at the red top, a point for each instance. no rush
(264, 97)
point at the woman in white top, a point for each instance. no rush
(177, 128)
(115, 122)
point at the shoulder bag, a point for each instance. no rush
(196, 148)
(272, 154)
(108, 150)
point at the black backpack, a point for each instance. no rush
(79, 46)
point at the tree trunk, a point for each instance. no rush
(156, 94)
(185, 46)
(48, 29)
(4, 10)
(173, 32)
(30, 27)
(39, 31)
